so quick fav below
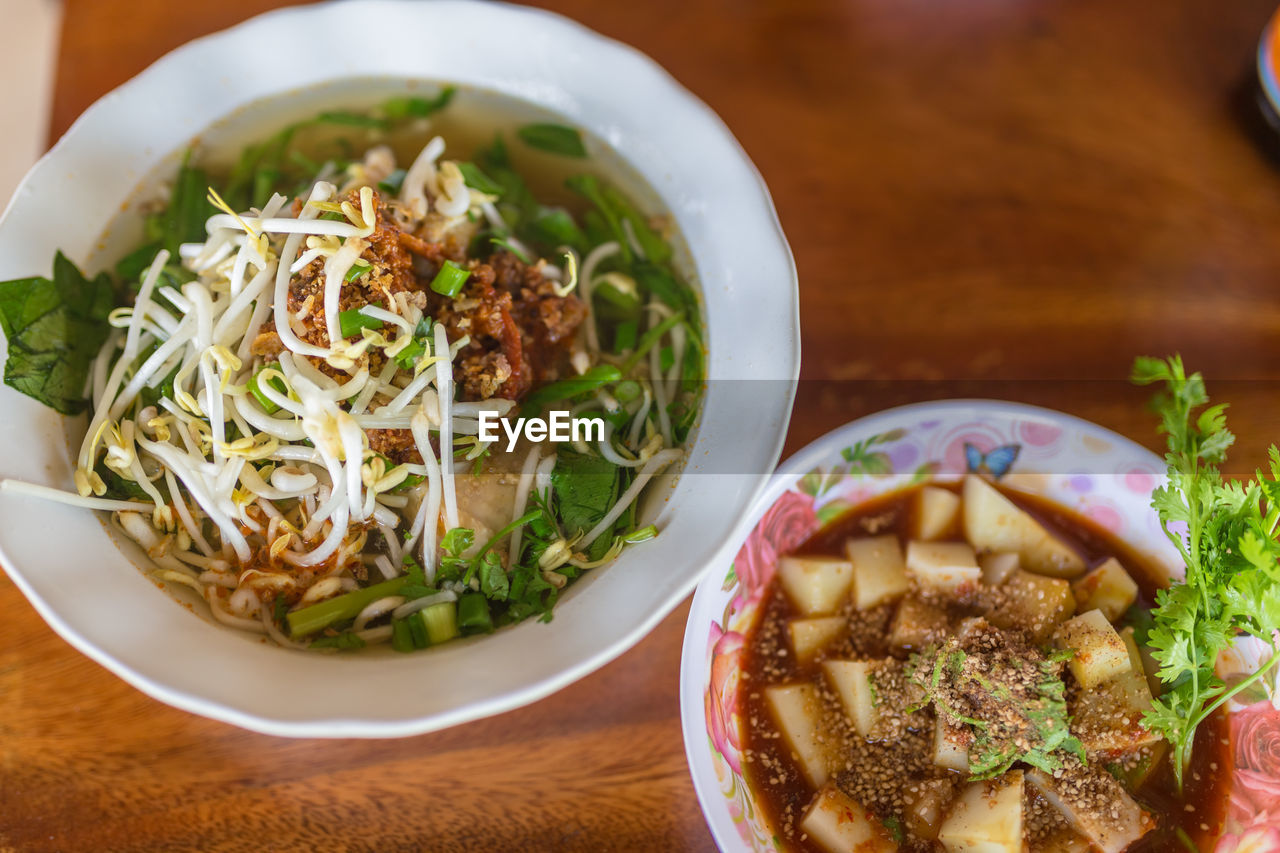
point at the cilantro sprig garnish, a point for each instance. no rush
(1225, 531)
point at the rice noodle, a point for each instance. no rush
(527, 472)
(444, 387)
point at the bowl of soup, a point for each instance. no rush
(935, 638)
(398, 351)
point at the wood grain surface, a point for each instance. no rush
(988, 198)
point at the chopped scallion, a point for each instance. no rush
(358, 268)
(401, 636)
(351, 322)
(276, 384)
(317, 617)
(449, 281)
(441, 622)
(627, 391)
(473, 614)
(644, 534)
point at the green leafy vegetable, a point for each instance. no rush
(183, 220)
(553, 226)
(352, 119)
(55, 327)
(566, 389)
(417, 107)
(393, 182)
(553, 138)
(1226, 534)
(624, 336)
(897, 832)
(518, 252)
(452, 564)
(118, 487)
(475, 178)
(586, 488)
(493, 578)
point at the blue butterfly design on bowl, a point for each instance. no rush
(996, 461)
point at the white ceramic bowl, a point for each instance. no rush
(92, 594)
(1093, 471)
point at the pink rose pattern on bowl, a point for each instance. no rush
(1082, 466)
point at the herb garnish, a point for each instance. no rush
(553, 138)
(1226, 534)
(1012, 701)
(55, 327)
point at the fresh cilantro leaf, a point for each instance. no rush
(493, 578)
(586, 488)
(1226, 533)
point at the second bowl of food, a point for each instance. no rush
(938, 636)
(341, 299)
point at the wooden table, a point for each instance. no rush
(985, 198)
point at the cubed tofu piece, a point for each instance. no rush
(943, 566)
(951, 745)
(810, 636)
(924, 805)
(1107, 588)
(815, 586)
(986, 817)
(798, 711)
(1100, 654)
(1112, 827)
(838, 824)
(853, 683)
(1035, 603)
(1107, 718)
(916, 624)
(879, 572)
(992, 522)
(937, 513)
(998, 566)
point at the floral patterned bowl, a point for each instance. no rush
(1098, 473)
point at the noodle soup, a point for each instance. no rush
(289, 333)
